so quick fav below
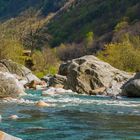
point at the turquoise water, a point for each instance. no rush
(72, 117)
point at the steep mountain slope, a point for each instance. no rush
(98, 16)
(12, 8)
(71, 20)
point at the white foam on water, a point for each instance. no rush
(75, 100)
(18, 101)
(70, 99)
(120, 112)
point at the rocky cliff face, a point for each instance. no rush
(92, 76)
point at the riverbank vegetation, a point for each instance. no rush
(58, 31)
(124, 55)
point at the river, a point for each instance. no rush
(72, 117)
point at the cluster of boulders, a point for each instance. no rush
(92, 76)
(87, 75)
(14, 78)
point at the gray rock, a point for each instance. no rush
(47, 78)
(9, 86)
(13, 77)
(63, 69)
(90, 75)
(14, 68)
(132, 87)
(5, 136)
(58, 81)
(3, 68)
(28, 75)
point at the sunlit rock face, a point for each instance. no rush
(9, 86)
(13, 77)
(22, 72)
(5, 136)
(90, 75)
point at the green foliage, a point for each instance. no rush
(10, 8)
(70, 51)
(124, 55)
(89, 39)
(51, 70)
(121, 25)
(39, 74)
(50, 6)
(71, 24)
(45, 62)
(11, 49)
(38, 61)
(95, 16)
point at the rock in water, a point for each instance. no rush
(14, 117)
(132, 87)
(13, 77)
(90, 75)
(5, 136)
(42, 104)
(9, 86)
(58, 81)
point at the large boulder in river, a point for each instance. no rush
(90, 75)
(5, 136)
(132, 87)
(9, 86)
(22, 72)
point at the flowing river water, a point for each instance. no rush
(72, 117)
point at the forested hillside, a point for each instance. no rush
(65, 29)
(98, 16)
(81, 17)
(12, 8)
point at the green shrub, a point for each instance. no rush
(121, 25)
(11, 49)
(51, 70)
(45, 62)
(124, 55)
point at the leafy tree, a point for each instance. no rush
(89, 39)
